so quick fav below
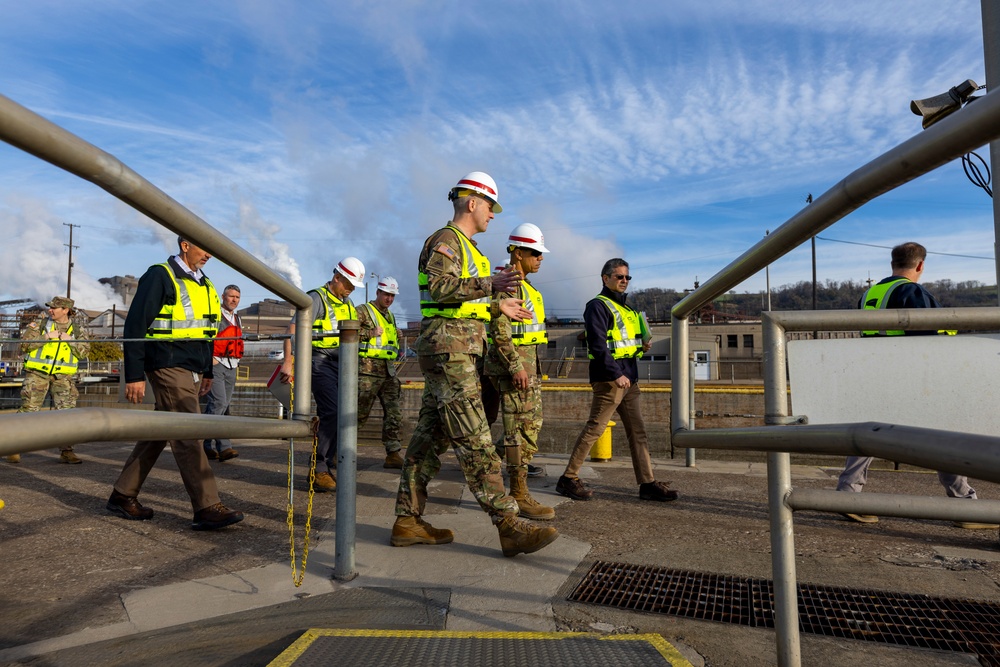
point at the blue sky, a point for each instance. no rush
(671, 134)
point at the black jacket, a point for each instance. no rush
(597, 320)
(154, 291)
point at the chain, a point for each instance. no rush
(298, 576)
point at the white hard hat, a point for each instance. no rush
(527, 235)
(352, 269)
(480, 183)
(388, 285)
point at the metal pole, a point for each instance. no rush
(767, 275)
(691, 410)
(347, 452)
(779, 485)
(991, 56)
(680, 382)
(815, 333)
(69, 268)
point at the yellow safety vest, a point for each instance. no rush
(385, 346)
(326, 329)
(194, 314)
(474, 265)
(54, 358)
(877, 297)
(533, 332)
(625, 334)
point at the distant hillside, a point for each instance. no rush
(830, 295)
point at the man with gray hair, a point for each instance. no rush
(227, 351)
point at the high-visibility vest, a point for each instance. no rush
(625, 334)
(877, 298)
(326, 329)
(385, 346)
(194, 313)
(533, 332)
(53, 358)
(474, 265)
(232, 348)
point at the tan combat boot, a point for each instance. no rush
(530, 508)
(393, 460)
(521, 537)
(410, 530)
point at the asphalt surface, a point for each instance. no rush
(81, 586)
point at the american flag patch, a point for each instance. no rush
(445, 250)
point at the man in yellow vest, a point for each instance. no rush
(331, 305)
(901, 290)
(615, 341)
(514, 369)
(176, 310)
(377, 368)
(53, 348)
(456, 287)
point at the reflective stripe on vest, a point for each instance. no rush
(55, 358)
(385, 346)
(194, 313)
(624, 339)
(326, 329)
(877, 298)
(474, 265)
(533, 332)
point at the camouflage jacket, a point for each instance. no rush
(504, 359)
(440, 259)
(35, 332)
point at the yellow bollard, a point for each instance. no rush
(601, 451)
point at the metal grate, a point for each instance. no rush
(964, 626)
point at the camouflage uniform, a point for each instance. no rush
(377, 379)
(522, 408)
(62, 386)
(451, 410)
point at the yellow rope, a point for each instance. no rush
(298, 576)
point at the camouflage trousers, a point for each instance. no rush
(36, 385)
(387, 390)
(522, 420)
(451, 413)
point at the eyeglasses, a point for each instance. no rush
(621, 276)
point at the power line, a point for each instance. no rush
(887, 247)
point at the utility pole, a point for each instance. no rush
(69, 270)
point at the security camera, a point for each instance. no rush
(933, 109)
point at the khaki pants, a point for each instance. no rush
(607, 399)
(175, 390)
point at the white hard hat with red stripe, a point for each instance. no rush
(527, 235)
(352, 269)
(388, 285)
(477, 182)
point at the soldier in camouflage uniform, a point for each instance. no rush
(50, 367)
(377, 369)
(455, 290)
(514, 369)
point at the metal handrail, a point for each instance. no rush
(33, 134)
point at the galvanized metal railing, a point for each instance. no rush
(948, 139)
(33, 134)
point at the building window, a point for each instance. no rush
(748, 341)
(731, 341)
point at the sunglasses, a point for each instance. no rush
(535, 253)
(620, 276)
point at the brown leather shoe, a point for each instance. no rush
(657, 491)
(67, 456)
(573, 488)
(227, 454)
(393, 460)
(128, 507)
(324, 482)
(214, 517)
